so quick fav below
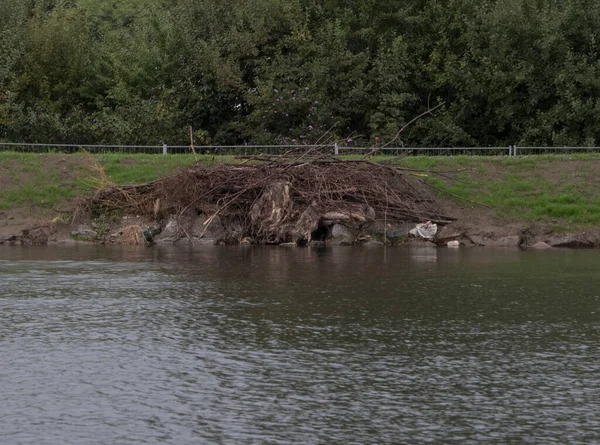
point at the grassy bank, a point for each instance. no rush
(557, 189)
(46, 180)
(563, 190)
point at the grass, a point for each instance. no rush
(42, 180)
(47, 180)
(559, 189)
(136, 169)
(27, 180)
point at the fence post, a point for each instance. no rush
(336, 149)
(509, 151)
(165, 150)
(515, 151)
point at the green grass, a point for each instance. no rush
(540, 188)
(27, 180)
(30, 179)
(136, 169)
(532, 188)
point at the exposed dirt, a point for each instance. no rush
(17, 175)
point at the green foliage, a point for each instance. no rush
(13, 17)
(143, 71)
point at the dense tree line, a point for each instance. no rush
(276, 71)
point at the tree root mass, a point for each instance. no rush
(277, 199)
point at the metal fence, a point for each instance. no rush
(512, 151)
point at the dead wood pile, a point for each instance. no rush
(279, 198)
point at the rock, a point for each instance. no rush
(503, 241)
(540, 245)
(206, 241)
(392, 231)
(449, 233)
(233, 230)
(418, 241)
(507, 241)
(339, 231)
(571, 242)
(396, 233)
(208, 233)
(479, 240)
(84, 233)
(372, 243)
(171, 232)
(36, 237)
(66, 241)
(8, 239)
(453, 244)
(340, 235)
(150, 232)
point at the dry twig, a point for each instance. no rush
(317, 183)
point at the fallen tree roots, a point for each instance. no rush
(281, 198)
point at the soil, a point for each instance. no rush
(475, 226)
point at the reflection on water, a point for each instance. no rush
(282, 345)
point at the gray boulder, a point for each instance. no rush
(570, 241)
(340, 235)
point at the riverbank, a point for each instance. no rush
(495, 201)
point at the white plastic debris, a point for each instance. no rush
(425, 230)
(453, 244)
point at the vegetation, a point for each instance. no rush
(559, 189)
(47, 180)
(291, 71)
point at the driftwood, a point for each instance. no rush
(280, 198)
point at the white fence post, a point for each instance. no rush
(336, 149)
(165, 150)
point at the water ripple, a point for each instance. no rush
(172, 349)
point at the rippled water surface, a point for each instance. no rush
(238, 345)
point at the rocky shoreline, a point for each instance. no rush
(200, 230)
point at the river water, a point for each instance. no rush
(236, 345)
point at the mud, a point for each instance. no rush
(473, 228)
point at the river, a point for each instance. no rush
(277, 345)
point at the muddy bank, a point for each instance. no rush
(282, 201)
(476, 229)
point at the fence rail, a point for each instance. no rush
(335, 149)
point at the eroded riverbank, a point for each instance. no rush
(552, 200)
